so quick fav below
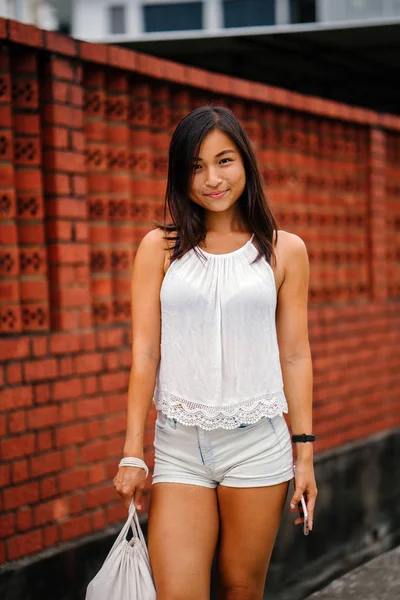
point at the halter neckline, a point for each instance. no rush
(228, 253)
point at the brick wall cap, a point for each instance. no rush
(3, 28)
(175, 72)
(22, 33)
(90, 52)
(60, 43)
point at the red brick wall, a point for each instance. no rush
(84, 132)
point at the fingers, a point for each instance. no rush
(300, 517)
(127, 498)
(310, 494)
(129, 483)
(138, 495)
(310, 506)
(296, 496)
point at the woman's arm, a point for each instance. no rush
(147, 276)
(295, 357)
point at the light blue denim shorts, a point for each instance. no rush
(253, 455)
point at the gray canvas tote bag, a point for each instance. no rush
(126, 572)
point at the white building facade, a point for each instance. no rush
(35, 12)
(130, 20)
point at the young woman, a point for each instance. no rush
(219, 308)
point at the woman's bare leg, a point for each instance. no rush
(182, 536)
(249, 522)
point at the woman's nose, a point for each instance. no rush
(213, 178)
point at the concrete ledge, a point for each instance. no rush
(380, 577)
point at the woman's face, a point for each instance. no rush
(219, 176)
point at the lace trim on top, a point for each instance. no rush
(224, 417)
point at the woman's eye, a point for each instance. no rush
(198, 167)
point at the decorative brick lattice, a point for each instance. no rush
(10, 319)
(393, 213)
(97, 169)
(126, 164)
(25, 93)
(7, 204)
(8, 264)
(29, 206)
(316, 173)
(33, 288)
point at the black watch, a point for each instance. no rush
(303, 438)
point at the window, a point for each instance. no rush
(117, 19)
(182, 16)
(302, 11)
(248, 13)
(365, 9)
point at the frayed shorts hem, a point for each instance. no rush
(188, 481)
(227, 482)
(262, 482)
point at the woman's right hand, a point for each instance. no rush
(129, 483)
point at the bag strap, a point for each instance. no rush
(133, 522)
(136, 529)
(121, 536)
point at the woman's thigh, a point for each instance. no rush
(182, 535)
(249, 523)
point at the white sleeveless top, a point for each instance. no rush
(219, 363)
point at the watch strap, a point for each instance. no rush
(304, 437)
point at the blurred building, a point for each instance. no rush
(41, 13)
(348, 50)
(133, 20)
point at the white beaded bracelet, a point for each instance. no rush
(132, 461)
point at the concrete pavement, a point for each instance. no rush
(377, 579)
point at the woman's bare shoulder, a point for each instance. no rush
(155, 240)
(289, 242)
(291, 249)
(155, 248)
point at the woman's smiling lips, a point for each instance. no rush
(216, 194)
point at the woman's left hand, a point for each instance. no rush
(304, 484)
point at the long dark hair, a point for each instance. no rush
(188, 218)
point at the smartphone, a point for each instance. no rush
(304, 513)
